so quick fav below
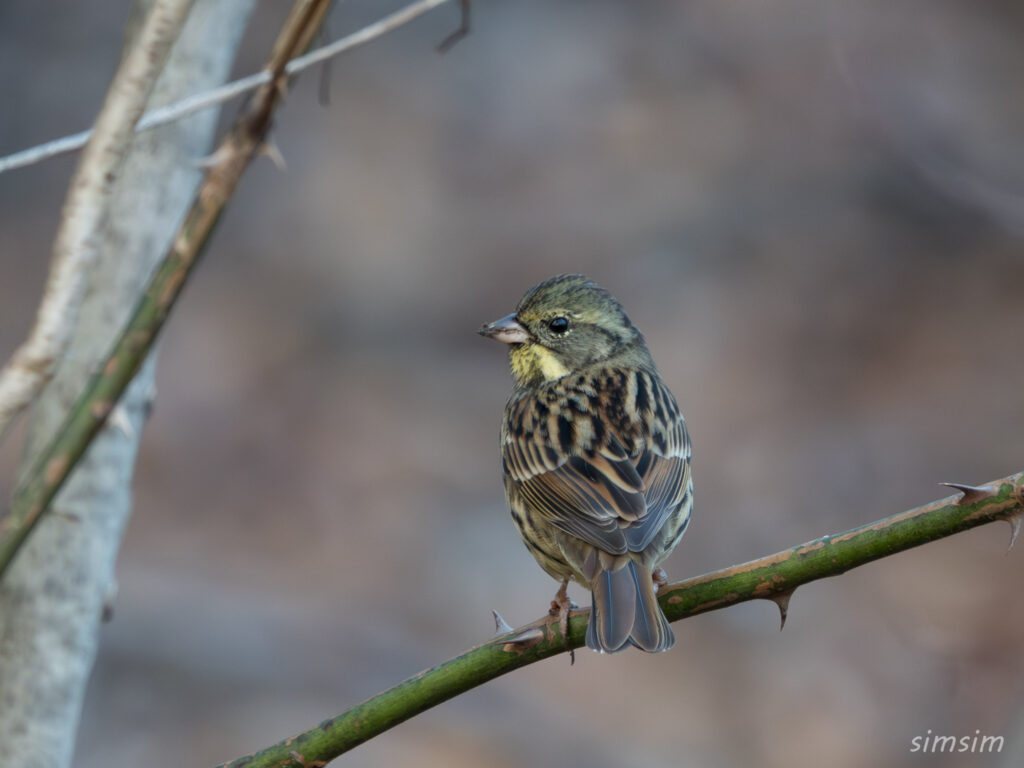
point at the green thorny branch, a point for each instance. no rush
(246, 139)
(774, 577)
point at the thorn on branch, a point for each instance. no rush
(782, 601)
(501, 627)
(215, 159)
(972, 494)
(1014, 521)
(270, 150)
(120, 421)
(463, 30)
(523, 640)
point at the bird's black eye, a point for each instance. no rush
(559, 325)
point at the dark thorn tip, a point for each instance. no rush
(781, 600)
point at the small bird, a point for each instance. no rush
(596, 458)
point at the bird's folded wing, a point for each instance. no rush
(598, 492)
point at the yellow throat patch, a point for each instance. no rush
(533, 363)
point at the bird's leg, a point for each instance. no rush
(560, 607)
(659, 577)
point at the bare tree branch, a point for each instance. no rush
(215, 96)
(62, 582)
(33, 363)
(93, 406)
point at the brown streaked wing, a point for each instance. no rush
(665, 481)
(664, 464)
(599, 493)
(591, 490)
(592, 498)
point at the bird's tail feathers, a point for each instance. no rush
(625, 611)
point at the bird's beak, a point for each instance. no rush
(508, 330)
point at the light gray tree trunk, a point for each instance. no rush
(53, 596)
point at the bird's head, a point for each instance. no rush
(563, 325)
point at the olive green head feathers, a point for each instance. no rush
(563, 325)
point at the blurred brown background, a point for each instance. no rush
(813, 210)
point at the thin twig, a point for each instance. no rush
(243, 142)
(211, 98)
(770, 578)
(33, 363)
